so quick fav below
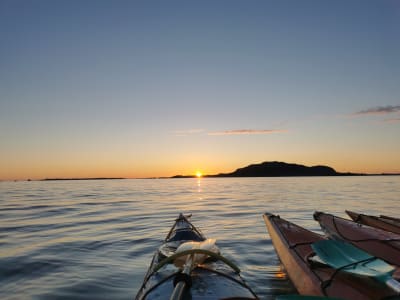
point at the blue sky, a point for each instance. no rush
(158, 88)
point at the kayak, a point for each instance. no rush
(387, 224)
(378, 242)
(390, 218)
(310, 275)
(189, 266)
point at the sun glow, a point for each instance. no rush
(199, 174)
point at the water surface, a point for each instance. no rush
(95, 239)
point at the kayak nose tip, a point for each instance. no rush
(316, 215)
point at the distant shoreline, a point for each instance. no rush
(217, 176)
(282, 169)
(97, 178)
(194, 176)
(264, 169)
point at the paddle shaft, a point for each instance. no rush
(177, 294)
(179, 289)
(393, 284)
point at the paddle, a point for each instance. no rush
(346, 257)
(189, 262)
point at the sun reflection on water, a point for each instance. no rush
(199, 190)
(280, 274)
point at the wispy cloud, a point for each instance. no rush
(379, 110)
(187, 132)
(393, 120)
(247, 131)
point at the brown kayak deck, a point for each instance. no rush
(374, 221)
(378, 242)
(293, 246)
(390, 218)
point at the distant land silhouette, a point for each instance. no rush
(265, 169)
(89, 178)
(278, 169)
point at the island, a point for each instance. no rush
(278, 169)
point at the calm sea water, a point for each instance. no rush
(95, 239)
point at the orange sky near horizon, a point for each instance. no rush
(148, 169)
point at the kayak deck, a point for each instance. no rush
(378, 242)
(293, 245)
(215, 278)
(383, 223)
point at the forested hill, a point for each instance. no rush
(276, 169)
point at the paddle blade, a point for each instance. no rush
(339, 254)
(208, 244)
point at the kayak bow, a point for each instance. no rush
(189, 266)
(383, 223)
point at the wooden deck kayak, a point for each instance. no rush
(388, 224)
(390, 218)
(214, 278)
(378, 242)
(293, 246)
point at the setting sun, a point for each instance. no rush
(199, 174)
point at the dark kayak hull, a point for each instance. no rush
(213, 279)
(374, 221)
(380, 243)
(293, 246)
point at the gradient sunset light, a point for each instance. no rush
(154, 89)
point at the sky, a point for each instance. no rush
(159, 88)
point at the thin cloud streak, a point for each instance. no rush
(394, 120)
(247, 132)
(379, 110)
(187, 132)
